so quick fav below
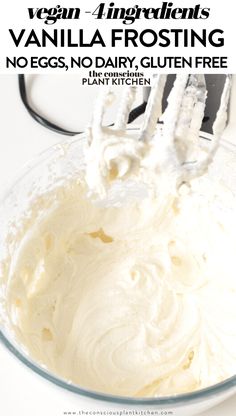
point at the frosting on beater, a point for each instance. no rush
(115, 153)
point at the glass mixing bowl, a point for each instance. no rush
(46, 172)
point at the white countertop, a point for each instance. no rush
(21, 391)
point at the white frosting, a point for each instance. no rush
(114, 153)
(136, 300)
(126, 300)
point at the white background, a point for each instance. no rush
(21, 391)
(222, 16)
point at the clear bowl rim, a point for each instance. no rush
(173, 400)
